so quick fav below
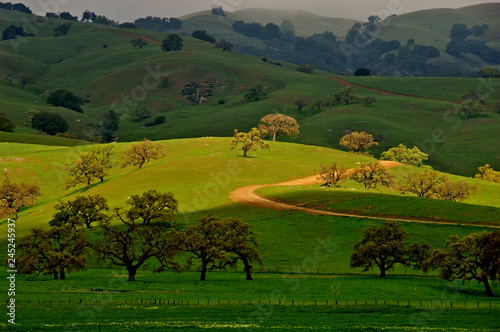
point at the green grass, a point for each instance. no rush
(116, 72)
(265, 317)
(378, 205)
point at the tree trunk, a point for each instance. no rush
(88, 184)
(131, 273)
(62, 275)
(56, 275)
(203, 276)
(382, 272)
(102, 179)
(244, 153)
(274, 138)
(489, 292)
(248, 268)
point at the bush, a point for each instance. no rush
(66, 99)
(157, 121)
(203, 35)
(6, 124)
(50, 122)
(362, 72)
(222, 101)
(141, 113)
(305, 68)
(13, 32)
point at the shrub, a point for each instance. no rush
(50, 122)
(64, 98)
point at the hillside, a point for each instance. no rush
(111, 76)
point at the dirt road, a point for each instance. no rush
(246, 195)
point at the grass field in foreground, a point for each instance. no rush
(263, 317)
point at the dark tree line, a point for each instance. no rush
(158, 24)
(17, 7)
(461, 43)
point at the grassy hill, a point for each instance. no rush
(99, 62)
(201, 173)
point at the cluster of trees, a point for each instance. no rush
(97, 162)
(65, 98)
(158, 24)
(17, 7)
(487, 173)
(213, 243)
(429, 183)
(464, 40)
(104, 131)
(218, 11)
(89, 16)
(473, 257)
(13, 32)
(63, 16)
(360, 48)
(344, 96)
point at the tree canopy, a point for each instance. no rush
(256, 93)
(49, 122)
(56, 251)
(140, 153)
(332, 174)
(371, 175)
(66, 99)
(14, 196)
(358, 141)
(6, 124)
(249, 141)
(81, 211)
(279, 125)
(385, 246)
(152, 207)
(172, 43)
(473, 257)
(405, 155)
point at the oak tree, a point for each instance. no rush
(225, 45)
(405, 155)
(241, 242)
(132, 246)
(422, 184)
(140, 42)
(172, 43)
(6, 124)
(249, 141)
(83, 210)
(473, 257)
(94, 164)
(152, 207)
(255, 93)
(454, 190)
(385, 246)
(357, 141)
(140, 153)
(487, 173)
(56, 251)
(279, 125)
(14, 196)
(332, 174)
(371, 175)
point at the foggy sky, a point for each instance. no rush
(129, 10)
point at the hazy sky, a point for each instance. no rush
(128, 10)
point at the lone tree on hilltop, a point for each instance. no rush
(83, 210)
(278, 125)
(56, 251)
(385, 246)
(332, 174)
(473, 257)
(405, 155)
(141, 153)
(249, 141)
(358, 141)
(152, 207)
(371, 175)
(14, 196)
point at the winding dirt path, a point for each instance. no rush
(247, 196)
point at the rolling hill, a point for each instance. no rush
(99, 62)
